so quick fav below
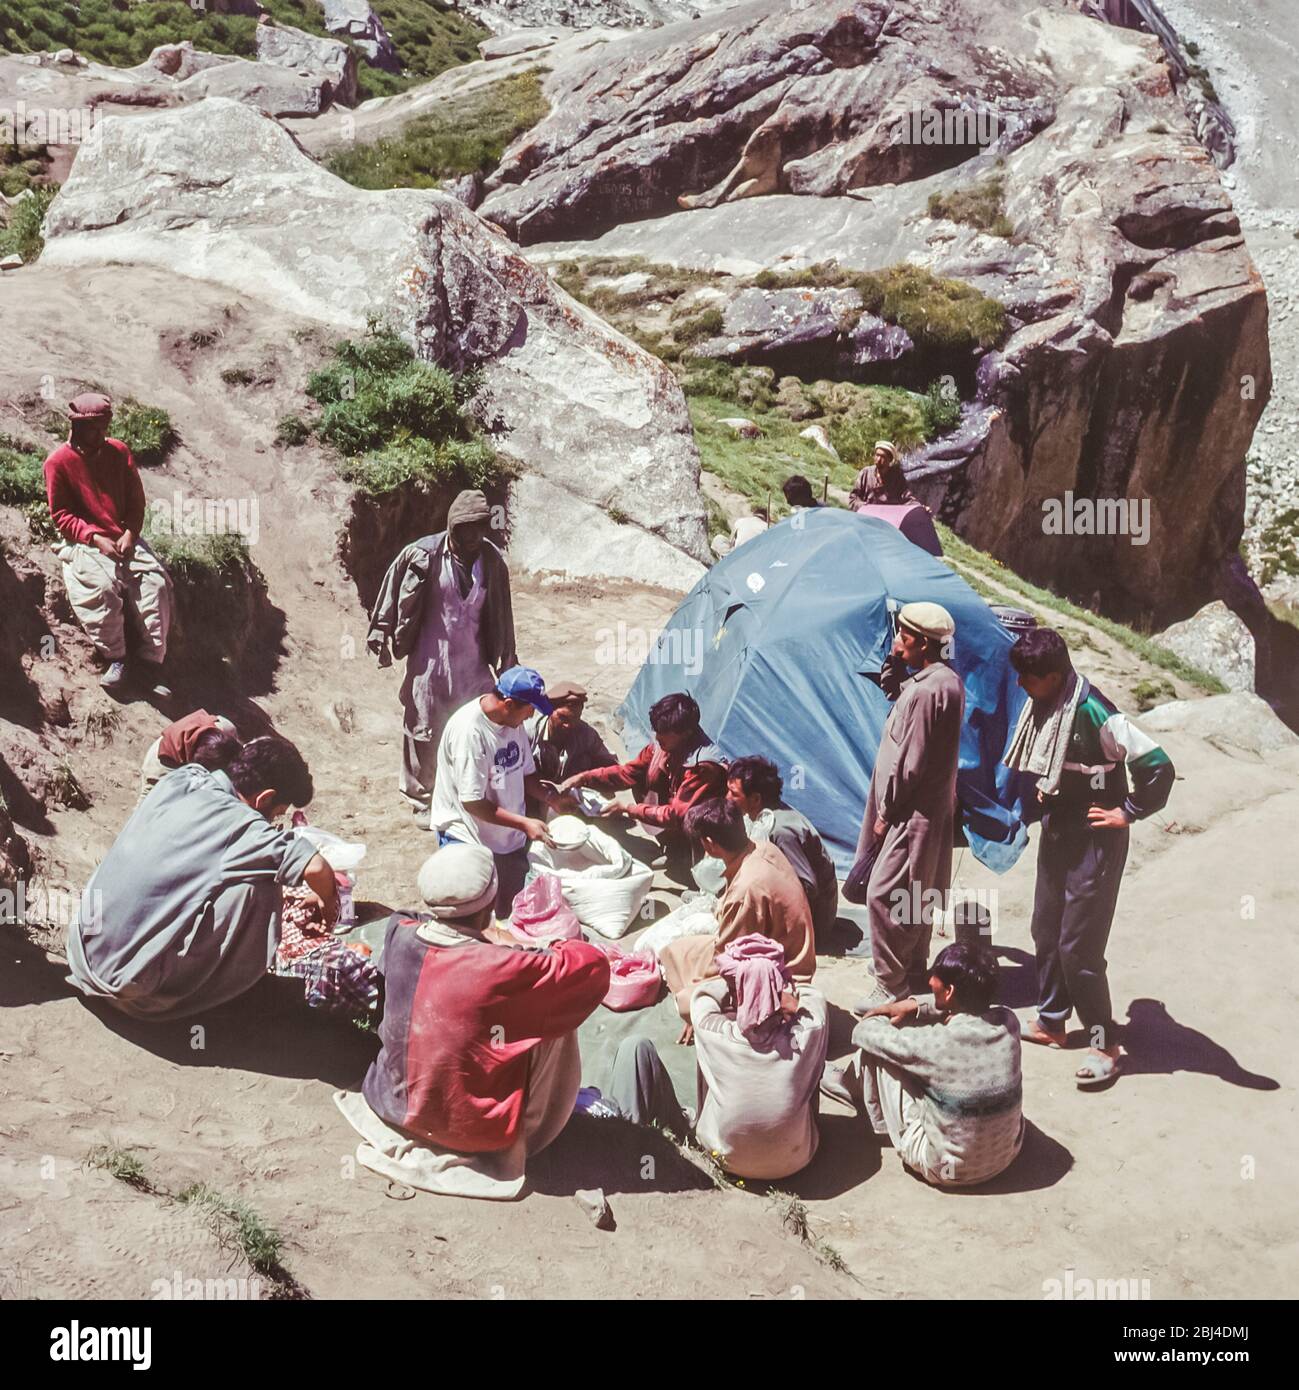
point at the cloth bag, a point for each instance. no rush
(601, 882)
(635, 981)
(695, 917)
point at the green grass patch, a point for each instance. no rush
(397, 420)
(24, 233)
(21, 166)
(236, 1223)
(465, 137)
(751, 387)
(121, 1164)
(969, 561)
(292, 430)
(191, 558)
(878, 412)
(1146, 694)
(1278, 546)
(145, 429)
(22, 476)
(982, 205)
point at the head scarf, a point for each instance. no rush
(754, 968)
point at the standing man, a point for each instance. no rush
(912, 803)
(1097, 773)
(445, 606)
(97, 502)
(883, 483)
(485, 773)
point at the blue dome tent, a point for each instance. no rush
(776, 643)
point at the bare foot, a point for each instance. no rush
(1038, 1032)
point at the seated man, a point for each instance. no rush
(669, 776)
(798, 493)
(210, 740)
(882, 482)
(97, 502)
(755, 786)
(184, 912)
(940, 1073)
(761, 1043)
(479, 1066)
(762, 895)
(744, 529)
(562, 742)
(485, 773)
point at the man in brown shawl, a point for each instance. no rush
(445, 606)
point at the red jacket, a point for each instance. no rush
(459, 1024)
(88, 498)
(678, 780)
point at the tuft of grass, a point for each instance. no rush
(21, 166)
(121, 1164)
(794, 1217)
(235, 1222)
(694, 328)
(193, 557)
(466, 137)
(1146, 694)
(881, 412)
(982, 205)
(397, 420)
(292, 430)
(66, 790)
(1278, 545)
(24, 235)
(101, 724)
(145, 429)
(22, 477)
(968, 561)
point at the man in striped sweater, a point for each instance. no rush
(939, 1073)
(1096, 773)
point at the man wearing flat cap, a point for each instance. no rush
(480, 1064)
(445, 607)
(912, 803)
(97, 502)
(882, 482)
(563, 743)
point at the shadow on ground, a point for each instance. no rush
(614, 1155)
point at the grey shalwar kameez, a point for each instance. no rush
(913, 790)
(455, 627)
(183, 913)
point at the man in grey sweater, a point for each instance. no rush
(940, 1073)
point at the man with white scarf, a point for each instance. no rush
(1096, 773)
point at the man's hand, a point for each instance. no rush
(536, 830)
(789, 1002)
(104, 545)
(1107, 818)
(569, 783)
(687, 1037)
(897, 1012)
(880, 827)
(126, 544)
(319, 878)
(613, 811)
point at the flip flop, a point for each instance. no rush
(1097, 1070)
(1043, 1037)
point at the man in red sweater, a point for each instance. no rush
(480, 1064)
(97, 502)
(669, 776)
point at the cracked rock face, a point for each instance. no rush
(221, 192)
(1136, 363)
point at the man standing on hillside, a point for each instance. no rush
(882, 482)
(97, 502)
(1096, 773)
(912, 803)
(445, 606)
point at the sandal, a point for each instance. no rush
(1035, 1032)
(1097, 1069)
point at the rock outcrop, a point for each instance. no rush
(355, 22)
(1217, 641)
(224, 194)
(1135, 364)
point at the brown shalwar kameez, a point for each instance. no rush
(913, 790)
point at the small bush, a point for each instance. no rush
(145, 429)
(292, 430)
(468, 136)
(24, 235)
(982, 205)
(695, 328)
(22, 477)
(882, 412)
(940, 410)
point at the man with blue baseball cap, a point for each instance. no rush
(485, 773)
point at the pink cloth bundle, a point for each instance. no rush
(635, 982)
(539, 913)
(754, 968)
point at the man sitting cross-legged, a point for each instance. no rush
(480, 1065)
(940, 1073)
(762, 895)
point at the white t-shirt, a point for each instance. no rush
(480, 761)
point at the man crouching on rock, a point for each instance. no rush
(97, 502)
(184, 912)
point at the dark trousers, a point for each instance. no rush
(642, 1089)
(1078, 874)
(511, 872)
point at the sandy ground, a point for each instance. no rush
(1182, 1174)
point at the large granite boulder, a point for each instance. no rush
(1217, 641)
(222, 193)
(1135, 361)
(309, 54)
(355, 22)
